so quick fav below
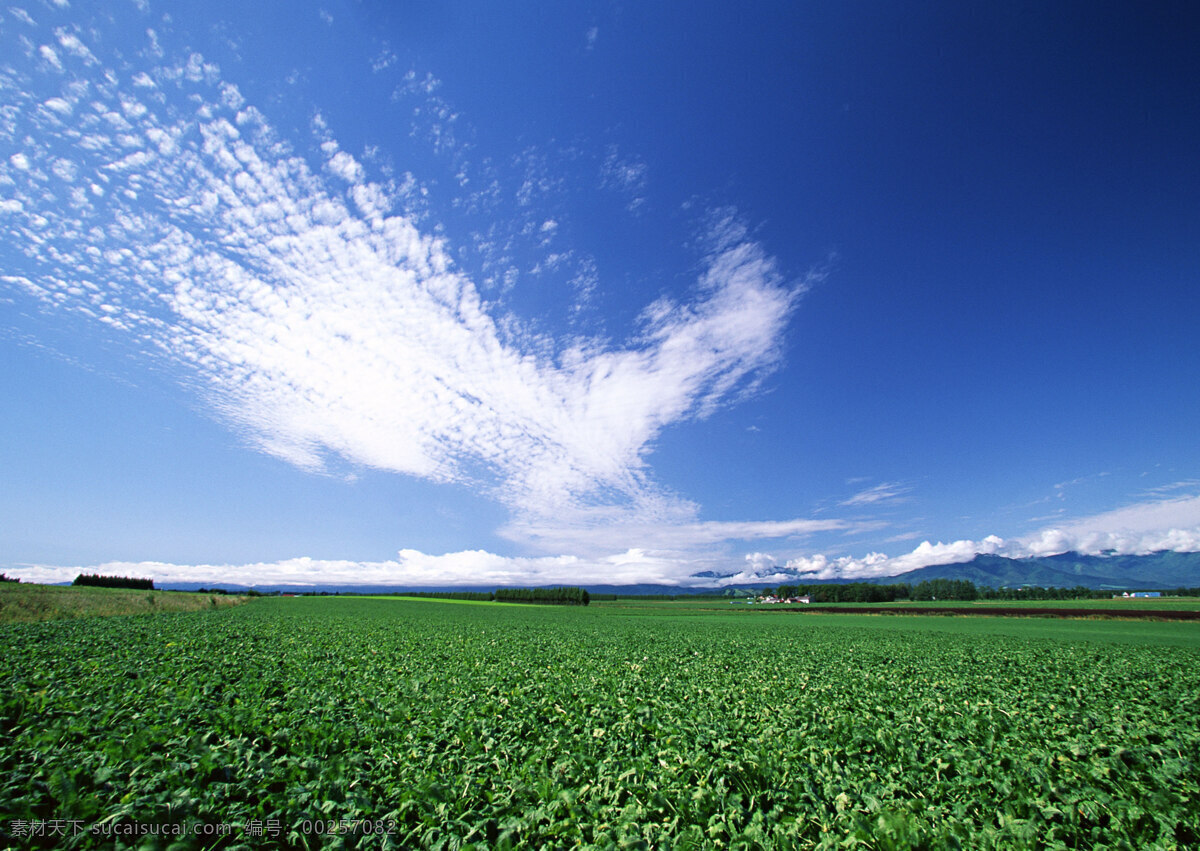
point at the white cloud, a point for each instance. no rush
(50, 56)
(1139, 529)
(345, 167)
(758, 563)
(58, 105)
(682, 554)
(321, 327)
(71, 43)
(410, 568)
(1169, 524)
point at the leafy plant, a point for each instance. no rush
(455, 726)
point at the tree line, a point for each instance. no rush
(480, 596)
(945, 589)
(850, 592)
(561, 596)
(702, 595)
(564, 596)
(95, 580)
(1079, 592)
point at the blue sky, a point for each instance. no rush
(522, 294)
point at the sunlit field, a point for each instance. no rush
(349, 722)
(25, 602)
(1149, 604)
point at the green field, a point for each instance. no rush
(449, 726)
(1148, 605)
(24, 602)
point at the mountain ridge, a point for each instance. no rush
(1155, 571)
(1162, 570)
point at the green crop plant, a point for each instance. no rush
(344, 722)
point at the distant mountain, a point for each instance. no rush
(1160, 570)
(1001, 572)
(1173, 570)
(1156, 571)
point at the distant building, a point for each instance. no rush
(1129, 595)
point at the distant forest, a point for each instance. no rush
(95, 580)
(564, 596)
(943, 589)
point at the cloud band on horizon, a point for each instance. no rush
(1140, 529)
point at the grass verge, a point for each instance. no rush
(25, 602)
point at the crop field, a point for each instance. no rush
(1146, 605)
(1132, 605)
(367, 723)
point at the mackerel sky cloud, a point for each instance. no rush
(586, 349)
(319, 321)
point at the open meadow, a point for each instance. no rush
(318, 722)
(23, 602)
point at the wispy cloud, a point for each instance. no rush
(626, 175)
(21, 15)
(383, 60)
(323, 323)
(903, 536)
(1061, 488)
(668, 529)
(887, 492)
(1173, 488)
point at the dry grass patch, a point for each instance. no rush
(23, 602)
